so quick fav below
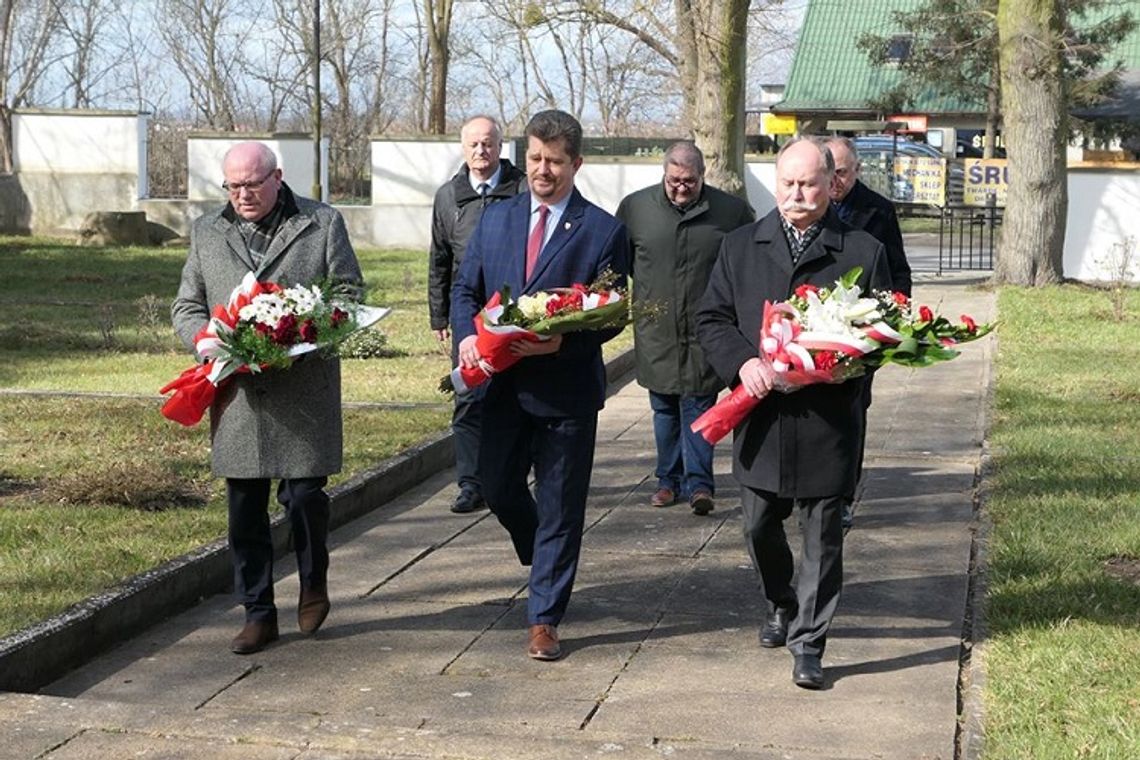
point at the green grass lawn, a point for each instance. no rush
(94, 489)
(1063, 606)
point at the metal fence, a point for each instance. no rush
(167, 174)
(967, 237)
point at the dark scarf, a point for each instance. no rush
(798, 242)
(259, 235)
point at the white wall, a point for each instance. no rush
(408, 172)
(204, 154)
(78, 142)
(1104, 211)
(70, 163)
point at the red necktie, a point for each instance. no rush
(534, 242)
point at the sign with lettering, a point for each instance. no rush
(777, 124)
(985, 178)
(919, 179)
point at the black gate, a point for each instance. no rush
(968, 237)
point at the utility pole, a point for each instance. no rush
(316, 190)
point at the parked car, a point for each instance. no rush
(876, 153)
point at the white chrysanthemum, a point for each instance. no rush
(267, 308)
(303, 300)
(534, 307)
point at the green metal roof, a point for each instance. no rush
(829, 73)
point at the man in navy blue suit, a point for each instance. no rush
(543, 411)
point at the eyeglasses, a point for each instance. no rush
(675, 182)
(235, 188)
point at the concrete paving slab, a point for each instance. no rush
(423, 654)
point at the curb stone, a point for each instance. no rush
(45, 651)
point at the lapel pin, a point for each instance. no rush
(566, 226)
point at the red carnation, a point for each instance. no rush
(825, 360)
(286, 330)
(262, 328)
(971, 325)
(803, 290)
(338, 316)
(309, 331)
(925, 314)
(900, 298)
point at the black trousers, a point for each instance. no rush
(251, 545)
(815, 596)
(466, 424)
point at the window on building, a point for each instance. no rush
(898, 48)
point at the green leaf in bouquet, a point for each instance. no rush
(908, 345)
(848, 280)
(614, 314)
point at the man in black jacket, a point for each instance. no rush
(864, 209)
(484, 178)
(795, 451)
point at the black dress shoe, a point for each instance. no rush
(807, 673)
(467, 501)
(775, 631)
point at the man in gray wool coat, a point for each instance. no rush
(283, 425)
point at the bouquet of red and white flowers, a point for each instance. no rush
(536, 317)
(263, 326)
(828, 335)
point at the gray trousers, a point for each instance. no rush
(819, 579)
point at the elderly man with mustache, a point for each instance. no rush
(795, 451)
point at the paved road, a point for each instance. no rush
(423, 654)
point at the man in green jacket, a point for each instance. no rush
(675, 230)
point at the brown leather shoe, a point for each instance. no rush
(312, 609)
(254, 637)
(543, 644)
(663, 497)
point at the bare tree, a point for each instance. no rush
(89, 61)
(1047, 53)
(204, 39)
(705, 41)
(28, 29)
(437, 14)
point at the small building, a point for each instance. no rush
(832, 80)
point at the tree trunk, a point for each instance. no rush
(6, 155)
(437, 15)
(1035, 110)
(993, 110)
(713, 42)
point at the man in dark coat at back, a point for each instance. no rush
(796, 451)
(862, 208)
(675, 228)
(484, 179)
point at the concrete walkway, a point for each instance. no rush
(423, 654)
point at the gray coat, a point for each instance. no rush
(276, 424)
(673, 254)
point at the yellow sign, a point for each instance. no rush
(985, 178)
(777, 124)
(919, 179)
